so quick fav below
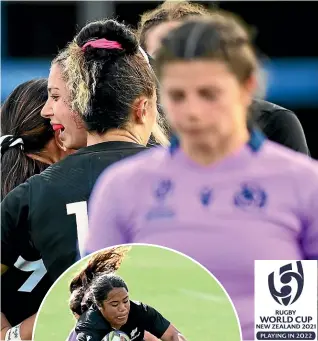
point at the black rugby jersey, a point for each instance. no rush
(280, 125)
(24, 285)
(92, 325)
(47, 215)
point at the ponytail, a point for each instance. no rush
(16, 168)
(106, 261)
(25, 131)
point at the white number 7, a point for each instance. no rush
(38, 271)
(81, 215)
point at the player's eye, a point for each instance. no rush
(126, 301)
(208, 94)
(114, 304)
(176, 96)
(54, 97)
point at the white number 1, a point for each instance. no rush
(81, 215)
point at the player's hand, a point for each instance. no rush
(172, 334)
(181, 338)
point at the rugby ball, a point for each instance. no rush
(116, 335)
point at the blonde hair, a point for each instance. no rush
(82, 77)
(167, 11)
(78, 78)
(159, 132)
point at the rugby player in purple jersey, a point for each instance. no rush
(279, 124)
(222, 194)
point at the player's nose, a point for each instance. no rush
(192, 114)
(192, 108)
(47, 110)
(122, 308)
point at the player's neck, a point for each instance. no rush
(52, 153)
(206, 154)
(120, 135)
(47, 158)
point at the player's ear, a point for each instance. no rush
(249, 88)
(139, 109)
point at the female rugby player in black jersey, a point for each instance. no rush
(28, 142)
(28, 146)
(114, 312)
(106, 261)
(91, 101)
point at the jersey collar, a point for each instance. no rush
(255, 142)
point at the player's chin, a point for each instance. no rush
(195, 135)
(70, 142)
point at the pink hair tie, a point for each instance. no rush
(102, 44)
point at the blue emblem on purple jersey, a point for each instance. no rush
(250, 196)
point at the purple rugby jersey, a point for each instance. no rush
(259, 203)
(72, 336)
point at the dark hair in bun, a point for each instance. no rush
(110, 30)
(100, 79)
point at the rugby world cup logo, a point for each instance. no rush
(287, 284)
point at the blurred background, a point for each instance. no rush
(33, 32)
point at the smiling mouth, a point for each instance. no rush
(122, 317)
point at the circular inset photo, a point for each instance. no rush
(137, 292)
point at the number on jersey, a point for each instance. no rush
(38, 271)
(81, 214)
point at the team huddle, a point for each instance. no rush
(150, 137)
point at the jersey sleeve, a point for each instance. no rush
(86, 329)
(14, 224)
(72, 336)
(310, 230)
(86, 336)
(110, 221)
(153, 321)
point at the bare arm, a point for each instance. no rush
(5, 325)
(150, 337)
(172, 334)
(25, 328)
